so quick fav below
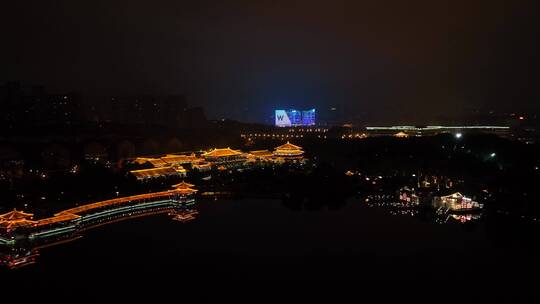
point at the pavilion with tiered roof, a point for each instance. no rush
(184, 188)
(15, 219)
(289, 151)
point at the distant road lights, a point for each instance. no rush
(459, 135)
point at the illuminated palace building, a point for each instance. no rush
(168, 165)
(221, 159)
(226, 157)
(289, 151)
(456, 202)
(18, 229)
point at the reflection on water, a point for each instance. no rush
(184, 215)
(397, 205)
(255, 240)
(25, 252)
(464, 218)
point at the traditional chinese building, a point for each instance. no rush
(155, 162)
(202, 166)
(145, 174)
(174, 159)
(184, 188)
(289, 151)
(17, 226)
(12, 221)
(456, 202)
(225, 157)
(409, 196)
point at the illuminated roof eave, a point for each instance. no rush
(56, 219)
(222, 153)
(183, 185)
(16, 223)
(119, 201)
(15, 214)
(288, 146)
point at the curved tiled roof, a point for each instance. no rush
(288, 146)
(10, 224)
(15, 215)
(183, 185)
(154, 172)
(222, 152)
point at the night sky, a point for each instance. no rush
(377, 61)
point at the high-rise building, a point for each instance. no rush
(171, 111)
(294, 118)
(308, 117)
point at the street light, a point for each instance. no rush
(459, 135)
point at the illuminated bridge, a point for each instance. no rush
(19, 227)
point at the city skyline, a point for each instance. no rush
(239, 60)
(175, 149)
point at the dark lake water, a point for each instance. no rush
(255, 242)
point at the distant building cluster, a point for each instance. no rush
(171, 111)
(417, 131)
(34, 106)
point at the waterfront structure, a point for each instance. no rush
(15, 219)
(18, 226)
(202, 166)
(467, 217)
(184, 189)
(226, 157)
(409, 196)
(288, 151)
(456, 202)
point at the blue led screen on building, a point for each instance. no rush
(294, 118)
